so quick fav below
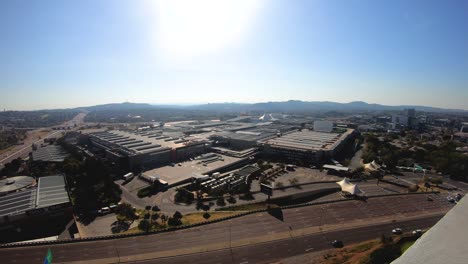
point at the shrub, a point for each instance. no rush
(413, 188)
(144, 192)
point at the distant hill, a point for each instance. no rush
(285, 106)
(116, 106)
(304, 106)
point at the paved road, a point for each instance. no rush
(247, 231)
(277, 250)
(23, 151)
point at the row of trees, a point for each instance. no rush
(443, 158)
(22, 119)
(91, 184)
(11, 137)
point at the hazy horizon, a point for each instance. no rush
(60, 54)
(204, 103)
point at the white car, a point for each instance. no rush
(417, 232)
(104, 210)
(397, 231)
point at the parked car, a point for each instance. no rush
(417, 232)
(397, 231)
(450, 199)
(337, 243)
(104, 210)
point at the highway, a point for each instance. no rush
(254, 237)
(277, 250)
(23, 150)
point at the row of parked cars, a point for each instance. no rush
(108, 209)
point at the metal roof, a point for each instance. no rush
(51, 190)
(50, 153)
(15, 183)
(17, 203)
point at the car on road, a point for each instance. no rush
(450, 199)
(397, 231)
(417, 232)
(337, 243)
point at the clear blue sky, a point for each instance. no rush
(56, 54)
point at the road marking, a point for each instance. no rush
(245, 262)
(309, 249)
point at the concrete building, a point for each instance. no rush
(323, 126)
(146, 148)
(306, 145)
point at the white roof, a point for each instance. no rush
(347, 186)
(372, 166)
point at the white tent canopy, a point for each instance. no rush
(372, 166)
(347, 186)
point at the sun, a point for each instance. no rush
(191, 28)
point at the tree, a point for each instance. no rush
(177, 215)
(163, 218)
(148, 207)
(154, 218)
(126, 211)
(155, 208)
(144, 225)
(173, 221)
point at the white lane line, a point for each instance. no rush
(309, 249)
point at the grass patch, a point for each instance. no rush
(187, 219)
(194, 218)
(245, 207)
(406, 245)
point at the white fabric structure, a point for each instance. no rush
(372, 166)
(347, 186)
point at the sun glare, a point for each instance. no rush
(188, 28)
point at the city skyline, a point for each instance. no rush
(65, 55)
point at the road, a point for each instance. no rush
(245, 236)
(277, 250)
(23, 150)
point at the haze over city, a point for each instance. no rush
(57, 54)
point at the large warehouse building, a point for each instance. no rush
(307, 145)
(147, 148)
(49, 198)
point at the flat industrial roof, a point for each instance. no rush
(308, 140)
(49, 153)
(18, 202)
(51, 190)
(142, 142)
(189, 169)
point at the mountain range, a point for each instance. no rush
(285, 106)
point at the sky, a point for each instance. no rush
(63, 54)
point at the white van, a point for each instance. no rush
(128, 176)
(104, 210)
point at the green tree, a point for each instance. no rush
(144, 225)
(126, 212)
